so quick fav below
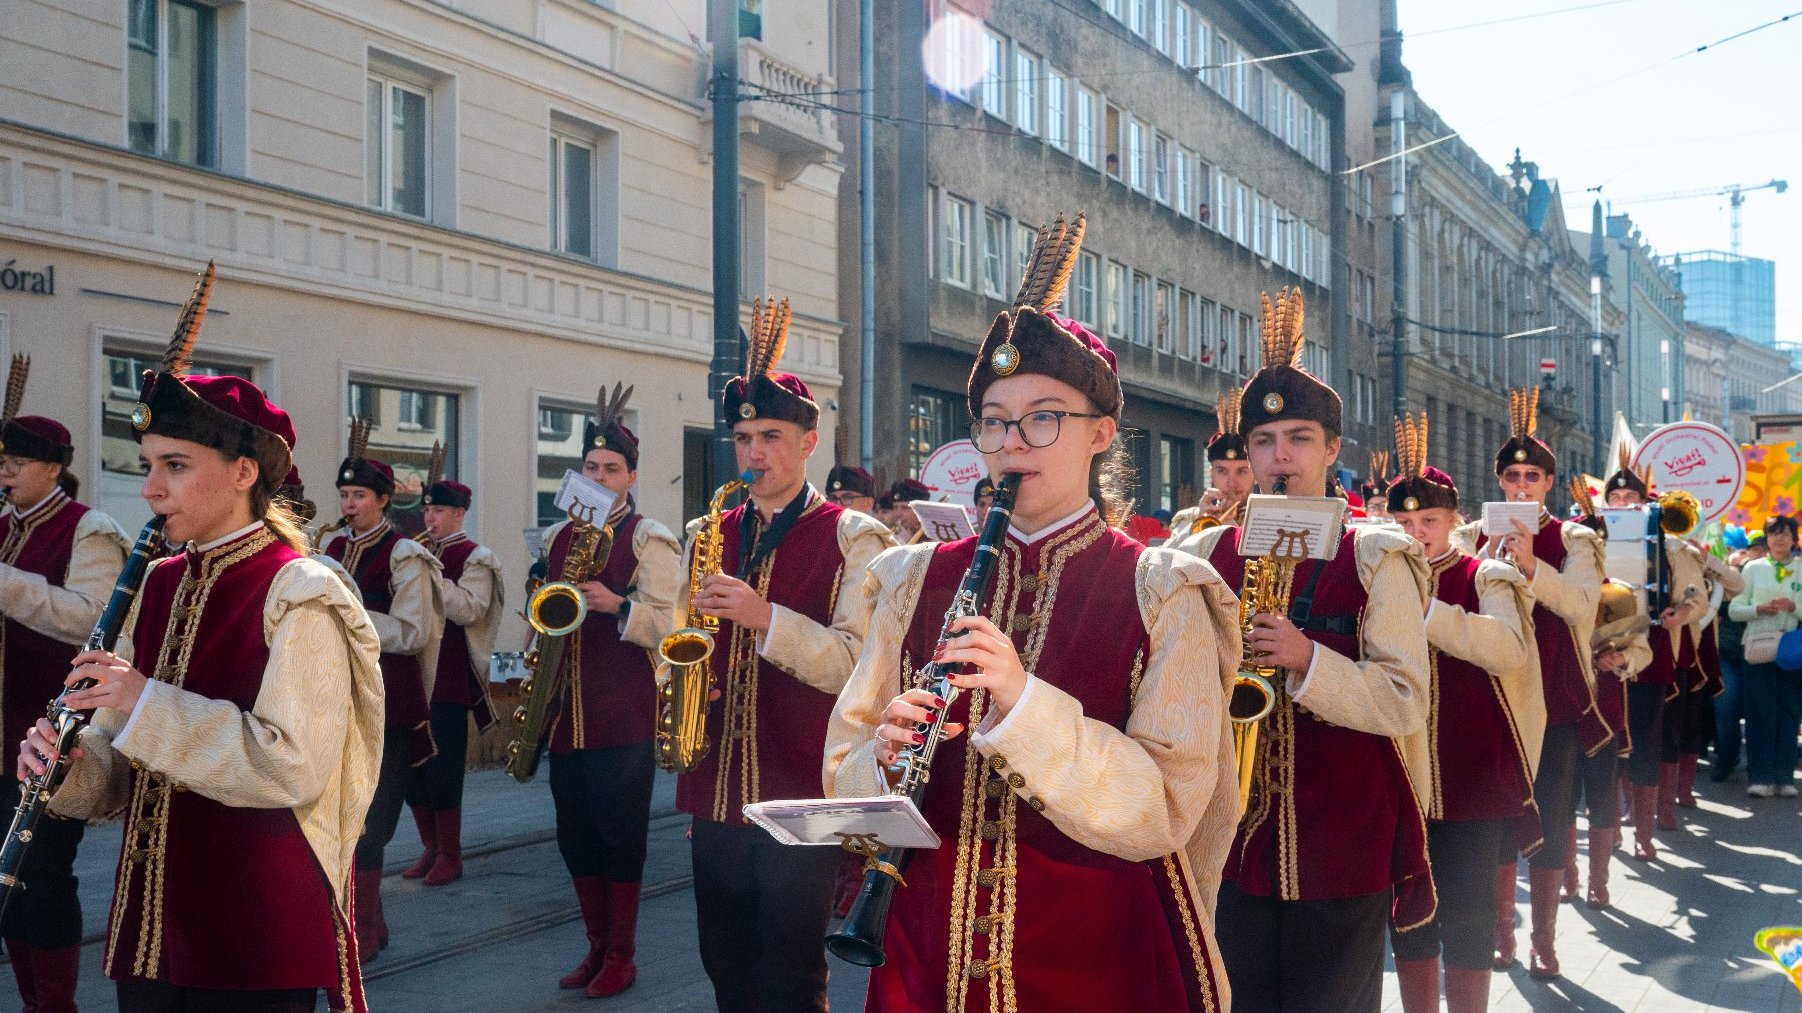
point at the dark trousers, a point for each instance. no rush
(1599, 779)
(1463, 929)
(762, 909)
(1303, 956)
(157, 997)
(603, 799)
(46, 913)
(1727, 712)
(390, 792)
(1555, 789)
(438, 782)
(1773, 700)
(1688, 723)
(1645, 719)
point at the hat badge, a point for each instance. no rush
(140, 416)
(1005, 359)
(347, 474)
(1410, 504)
(747, 410)
(1232, 454)
(1273, 402)
(600, 442)
(1520, 454)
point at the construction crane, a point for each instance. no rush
(1735, 194)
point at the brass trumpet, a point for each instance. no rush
(1678, 512)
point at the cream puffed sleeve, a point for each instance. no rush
(414, 622)
(1499, 640)
(68, 612)
(654, 584)
(822, 655)
(888, 592)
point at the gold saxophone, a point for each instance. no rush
(687, 679)
(319, 536)
(555, 609)
(1267, 587)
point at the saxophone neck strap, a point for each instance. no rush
(763, 545)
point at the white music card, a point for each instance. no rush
(943, 522)
(1499, 516)
(889, 821)
(535, 542)
(1295, 527)
(585, 499)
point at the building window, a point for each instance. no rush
(1257, 224)
(1179, 36)
(1086, 147)
(1026, 91)
(1183, 191)
(572, 196)
(1057, 123)
(121, 476)
(1116, 299)
(957, 240)
(407, 421)
(1160, 27)
(1227, 334)
(559, 449)
(1242, 215)
(397, 145)
(994, 253)
(1176, 472)
(1025, 238)
(1160, 168)
(934, 419)
(994, 99)
(1112, 130)
(1135, 155)
(1141, 309)
(1083, 299)
(1136, 16)
(1248, 336)
(1163, 310)
(171, 80)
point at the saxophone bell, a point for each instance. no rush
(556, 609)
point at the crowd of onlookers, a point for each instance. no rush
(1767, 696)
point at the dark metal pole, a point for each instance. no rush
(722, 16)
(866, 214)
(1398, 209)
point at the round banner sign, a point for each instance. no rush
(1699, 459)
(953, 471)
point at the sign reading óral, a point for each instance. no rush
(1699, 459)
(953, 471)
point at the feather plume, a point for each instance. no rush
(769, 336)
(1379, 465)
(1645, 478)
(1035, 260)
(1226, 407)
(1281, 330)
(359, 438)
(1532, 411)
(1048, 268)
(1579, 494)
(1523, 411)
(434, 469)
(177, 358)
(1625, 457)
(1411, 445)
(609, 409)
(15, 386)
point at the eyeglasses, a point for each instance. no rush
(10, 463)
(1037, 429)
(844, 497)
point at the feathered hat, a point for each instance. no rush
(1032, 338)
(606, 428)
(1523, 446)
(1282, 390)
(33, 437)
(1228, 444)
(1587, 514)
(228, 413)
(765, 392)
(1625, 477)
(361, 469)
(1417, 485)
(441, 491)
(849, 477)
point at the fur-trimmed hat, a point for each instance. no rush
(1625, 477)
(1524, 446)
(850, 478)
(1283, 391)
(228, 413)
(1227, 444)
(33, 437)
(1032, 339)
(606, 428)
(361, 469)
(441, 491)
(1418, 486)
(908, 490)
(764, 392)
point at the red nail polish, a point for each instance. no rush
(938, 703)
(919, 740)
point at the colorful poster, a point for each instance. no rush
(1773, 484)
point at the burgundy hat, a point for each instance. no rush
(441, 491)
(606, 428)
(764, 392)
(908, 490)
(850, 478)
(1283, 391)
(228, 413)
(1228, 444)
(1523, 446)
(1030, 338)
(33, 437)
(359, 468)
(1419, 486)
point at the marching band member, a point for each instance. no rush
(397, 579)
(1562, 562)
(1689, 716)
(901, 520)
(791, 628)
(1229, 475)
(1334, 841)
(852, 488)
(1484, 729)
(58, 560)
(1094, 790)
(244, 767)
(982, 497)
(469, 586)
(602, 720)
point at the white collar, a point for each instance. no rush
(234, 536)
(372, 533)
(1051, 529)
(55, 494)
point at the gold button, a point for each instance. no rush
(1037, 803)
(997, 761)
(984, 925)
(978, 970)
(1015, 781)
(1021, 623)
(137, 764)
(990, 830)
(1029, 583)
(993, 788)
(986, 878)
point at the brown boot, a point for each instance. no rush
(366, 896)
(1504, 916)
(19, 952)
(1645, 805)
(618, 972)
(426, 821)
(1542, 887)
(591, 894)
(1686, 779)
(56, 973)
(449, 866)
(1420, 984)
(1466, 990)
(1667, 796)
(1601, 852)
(1572, 888)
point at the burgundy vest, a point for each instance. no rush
(609, 694)
(1481, 771)
(403, 686)
(461, 681)
(1567, 694)
(35, 665)
(768, 729)
(210, 895)
(1081, 929)
(1332, 812)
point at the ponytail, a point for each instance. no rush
(1111, 477)
(278, 516)
(70, 485)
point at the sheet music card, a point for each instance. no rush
(1299, 527)
(1499, 516)
(943, 522)
(585, 499)
(889, 820)
(535, 542)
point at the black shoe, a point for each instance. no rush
(1719, 771)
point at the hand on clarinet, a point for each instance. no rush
(1275, 640)
(995, 665)
(116, 684)
(725, 597)
(39, 750)
(900, 719)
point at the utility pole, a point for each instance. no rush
(1398, 209)
(866, 211)
(722, 18)
(1597, 438)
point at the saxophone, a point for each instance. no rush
(555, 609)
(1267, 588)
(686, 682)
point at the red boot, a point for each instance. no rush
(56, 972)
(1420, 985)
(1645, 804)
(618, 972)
(1542, 885)
(1466, 990)
(425, 820)
(449, 866)
(1601, 852)
(1686, 779)
(1572, 888)
(366, 899)
(591, 893)
(1667, 796)
(1504, 916)
(19, 951)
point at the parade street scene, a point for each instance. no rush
(982, 506)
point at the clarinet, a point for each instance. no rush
(36, 792)
(859, 939)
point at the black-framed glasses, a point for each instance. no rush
(845, 497)
(1037, 429)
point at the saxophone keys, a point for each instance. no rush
(519, 714)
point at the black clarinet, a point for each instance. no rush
(859, 938)
(36, 792)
